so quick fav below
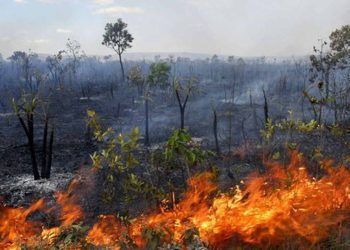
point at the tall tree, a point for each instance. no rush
(56, 68)
(76, 55)
(340, 44)
(24, 62)
(158, 76)
(321, 65)
(118, 38)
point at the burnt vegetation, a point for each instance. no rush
(148, 144)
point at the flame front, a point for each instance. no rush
(284, 204)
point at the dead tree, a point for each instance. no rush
(182, 107)
(50, 152)
(47, 151)
(43, 163)
(266, 107)
(215, 131)
(186, 90)
(146, 121)
(27, 109)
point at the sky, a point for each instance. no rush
(225, 27)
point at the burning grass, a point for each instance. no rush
(283, 205)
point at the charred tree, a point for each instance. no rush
(146, 122)
(182, 106)
(50, 152)
(26, 109)
(266, 107)
(215, 131)
(43, 162)
(31, 144)
(28, 127)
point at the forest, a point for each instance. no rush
(177, 150)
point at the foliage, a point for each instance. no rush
(117, 157)
(117, 36)
(269, 131)
(191, 240)
(136, 78)
(152, 237)
(340, 44)
(289, 125)
(179, 145)
(182, 153)
(159, 74)
(26, 105)
(76, 55)
(325, 66)
(71, 236)
(186, 86)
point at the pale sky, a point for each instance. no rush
(230, 27)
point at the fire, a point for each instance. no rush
(285, 204)
(70, 211)
(15, 227)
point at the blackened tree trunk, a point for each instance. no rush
(49, 162)
(326, 79)
(182, 112)
(215, 130)
(121, 66)
(182, 107)
(266, 107)
(146, 122)
(43, 160)
(30, 120)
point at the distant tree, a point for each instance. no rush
(321, 65)
(76, 54)
(137, 79)
(56, 67)
(183, 89)
(340, 44)
(266, 107)
(18, 58)
(215, 130)
(158, 76)
(325, 65)
(240, 71)
(24, 62)
(118, 38)
(340, 49)
(230, 59)
(214, 67)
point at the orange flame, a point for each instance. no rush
(281, 205)
(16, 229)
(14, 226)
(285, 203)
(70, 211)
